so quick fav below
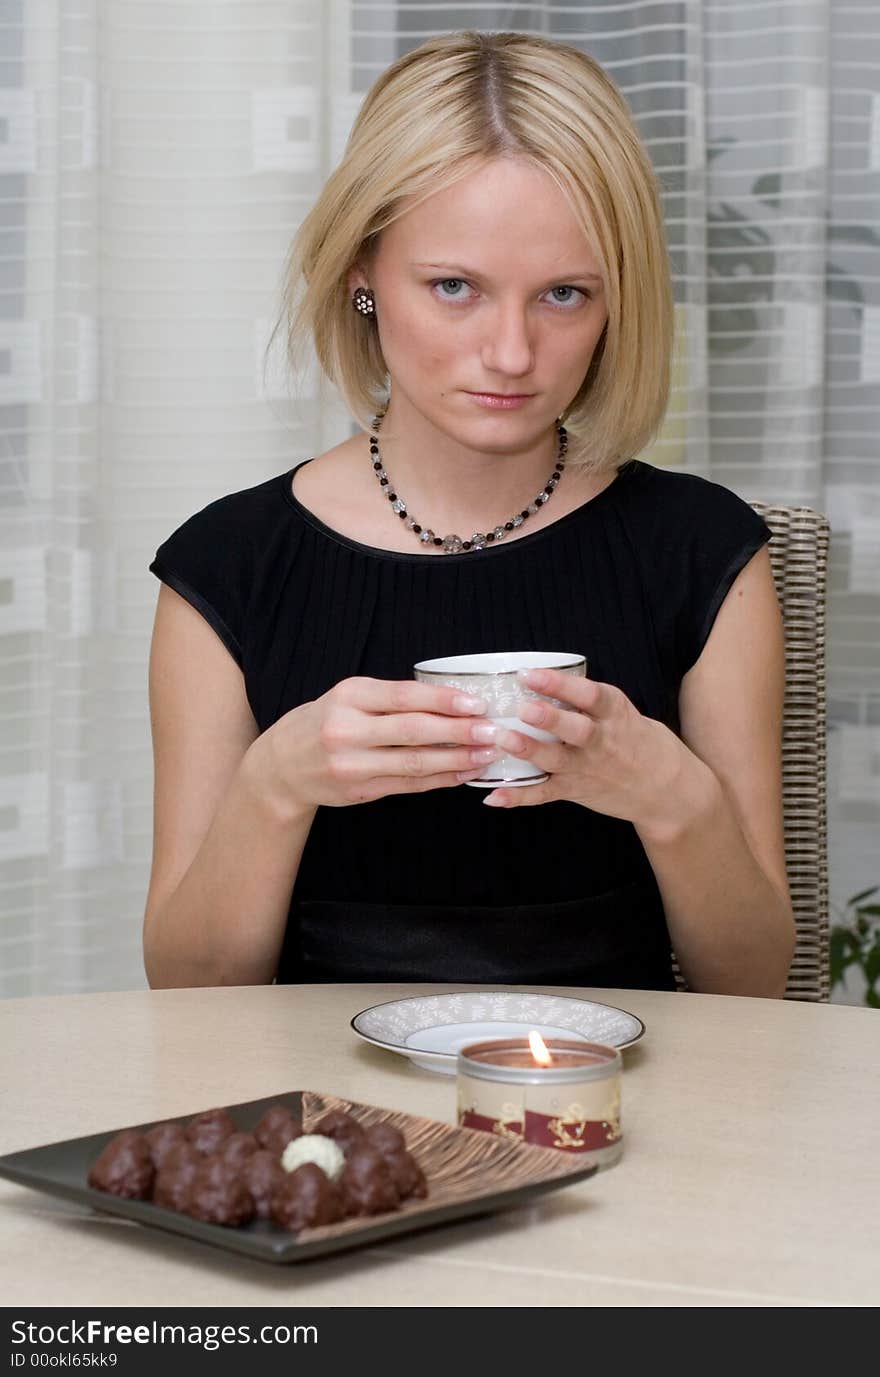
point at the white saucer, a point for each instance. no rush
(430, 1029)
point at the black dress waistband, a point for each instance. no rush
(618, 939)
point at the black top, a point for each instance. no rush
(435, 886)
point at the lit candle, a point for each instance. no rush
(561, 1093)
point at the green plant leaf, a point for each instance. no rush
(872, 909)
(854, 234)
(719, 146)
(871, 963)
(872, 999)
(840, 286)
(865, 893)
(843, 949)
(846, 938)
(768, 187)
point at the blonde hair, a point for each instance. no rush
(432, 117)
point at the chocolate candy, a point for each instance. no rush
(306, 1197)
(175, 1176)
(207, 1130)
(367, 1184)
(215, 1172)
(262, 1174)
(343, 1128)
(278, 1127)
(162, 1139)
(125, 1167)
(217, 1194)
(385, 1137)
(405, 1171)
(237, 1148)
(406, 1174)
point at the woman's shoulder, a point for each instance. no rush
(224, 538)
(673, 504)
(692, 536)
(660, 482)
(213, 557)
(244, 509)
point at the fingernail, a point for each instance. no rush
(462, 703)
(493, 801)
(530, 711)
(486, 731)
(535, 678)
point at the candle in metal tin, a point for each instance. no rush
(562, 1093)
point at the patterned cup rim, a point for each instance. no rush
(572, 661)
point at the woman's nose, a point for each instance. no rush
(508, 348)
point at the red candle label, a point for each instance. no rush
(574, 1118)
(505, 1128)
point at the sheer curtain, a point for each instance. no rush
(155, 159)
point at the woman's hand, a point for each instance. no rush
(366, 738)
(609, 757)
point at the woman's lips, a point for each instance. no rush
(502, 403)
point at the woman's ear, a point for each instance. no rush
(355, 279)
(361, 269)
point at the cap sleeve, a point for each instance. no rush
(723, 534)
(205, 560)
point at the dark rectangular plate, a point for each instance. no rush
(468, 1172)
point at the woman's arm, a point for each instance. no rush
(707, 805)
(225, 853)
(233, 808)
(718, 853)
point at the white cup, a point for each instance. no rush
(492, 677)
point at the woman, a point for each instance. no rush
(484, 278)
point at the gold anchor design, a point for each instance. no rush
(511, 1124)
(612, 1118)
(568, 1129)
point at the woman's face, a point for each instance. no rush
(489, 286)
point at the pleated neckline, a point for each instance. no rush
(491, 551)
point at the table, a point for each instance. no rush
(749, 1176)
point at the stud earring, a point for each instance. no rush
(364, 301)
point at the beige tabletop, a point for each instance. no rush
(749, 1175)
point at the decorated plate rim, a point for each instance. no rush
(410, 1051)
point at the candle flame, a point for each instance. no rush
(539, 1049)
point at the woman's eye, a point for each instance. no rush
(576, 290)
(457, 283)
(445, 282)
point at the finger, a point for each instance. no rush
(571, 726)
(410, 695)
(522, 797)
(382, 785)
(354, 767)
(587, 695)
(552, 756)
(423, 729)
